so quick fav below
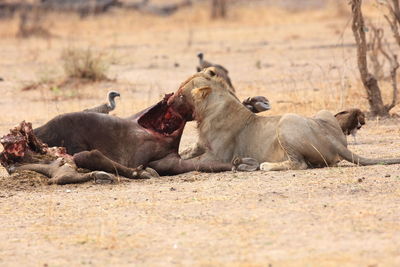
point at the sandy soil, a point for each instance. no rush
(302, 61)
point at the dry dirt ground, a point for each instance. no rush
(302, 61)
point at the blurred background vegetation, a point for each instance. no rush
(64, 55)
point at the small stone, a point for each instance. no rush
(360, 180)
(387, 175)
(68, 191)
(172, 189)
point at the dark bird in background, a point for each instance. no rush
(106, 107)
(257, 104)
(203, 64)
(219, 69)
(351, 120)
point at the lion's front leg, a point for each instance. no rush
(283, 166)
(192, 151)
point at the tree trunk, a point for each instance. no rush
(374, 96)
(218, 9)
(370, 83)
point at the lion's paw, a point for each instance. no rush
(266, 166)
(11, 169)
(245, 164)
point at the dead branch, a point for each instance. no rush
(394, 65)
(394, 21)
(393, 75)
(375, 48)
(394, 18)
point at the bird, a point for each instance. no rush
(257, 104)
(220, 70)
(106, 107)
(203, 64)
(351, 120)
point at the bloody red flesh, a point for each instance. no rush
(22, 140)
(17, 142)
(162, 118)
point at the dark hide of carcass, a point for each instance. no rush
(24, 151)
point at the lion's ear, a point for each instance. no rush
(212, 73)
(342, 113)
(201, 92)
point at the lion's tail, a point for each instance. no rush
(346, 154)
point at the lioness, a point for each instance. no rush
(351, 121)
(255, 104)
(227, 129)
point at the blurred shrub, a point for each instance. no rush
(84, 64)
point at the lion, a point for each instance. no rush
(288, 142)
(255, 104)
(351, 120)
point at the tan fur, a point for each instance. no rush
(222, 74)
(217, 69)
(227, 129)
(201, 92)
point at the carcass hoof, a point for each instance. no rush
(100, 177)
(152, 172)
(245, 164)
(144, 173)
(11, 169)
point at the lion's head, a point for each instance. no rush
(197, 87)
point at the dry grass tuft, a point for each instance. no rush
(81, 66)
(84, 64)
